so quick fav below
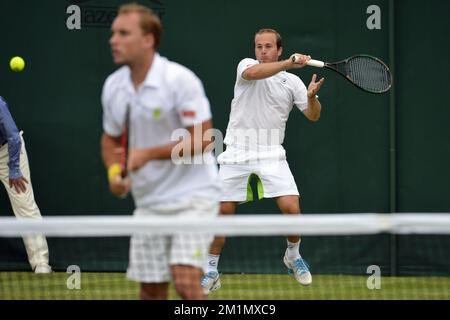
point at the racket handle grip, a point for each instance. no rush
(312, 62)
(316, 63)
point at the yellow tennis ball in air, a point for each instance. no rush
(17, 64)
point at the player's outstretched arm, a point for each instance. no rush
(268, 69)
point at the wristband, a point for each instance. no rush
(114, 170)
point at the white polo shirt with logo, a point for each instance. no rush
(255, 133)
(170, 98)
(260, 108)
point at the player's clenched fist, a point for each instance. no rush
(118, 186)
(299, 60)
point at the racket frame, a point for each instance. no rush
(333, 66)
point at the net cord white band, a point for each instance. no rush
(238, 225)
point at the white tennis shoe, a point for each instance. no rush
(300, 269)
(43, 268)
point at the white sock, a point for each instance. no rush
(293, 250)
(213, 262)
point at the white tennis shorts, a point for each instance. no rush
(269, 168)
(151, 256)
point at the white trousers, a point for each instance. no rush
(24, 205)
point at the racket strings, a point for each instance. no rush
(369, 74)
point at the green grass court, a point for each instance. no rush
(110, 286)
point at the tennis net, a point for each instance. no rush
(350, 256)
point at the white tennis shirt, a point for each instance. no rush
(263, 105)
(171, 97)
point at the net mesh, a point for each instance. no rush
(354, 256)
(369, 74)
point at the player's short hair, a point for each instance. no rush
(150, 22)
(267, 30)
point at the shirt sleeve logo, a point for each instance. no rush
(189, 114)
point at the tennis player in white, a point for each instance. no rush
(162, 97)
(264, 95)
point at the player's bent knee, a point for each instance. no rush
(289, 204)
(292, 209)
(227, 208)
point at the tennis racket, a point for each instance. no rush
(125, 143)
(365, 72)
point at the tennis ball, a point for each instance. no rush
(17, 64)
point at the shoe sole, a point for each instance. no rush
(216, 286)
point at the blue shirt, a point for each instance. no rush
(10, 134)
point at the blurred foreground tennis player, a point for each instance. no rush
(160, 97)
(264, 94)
